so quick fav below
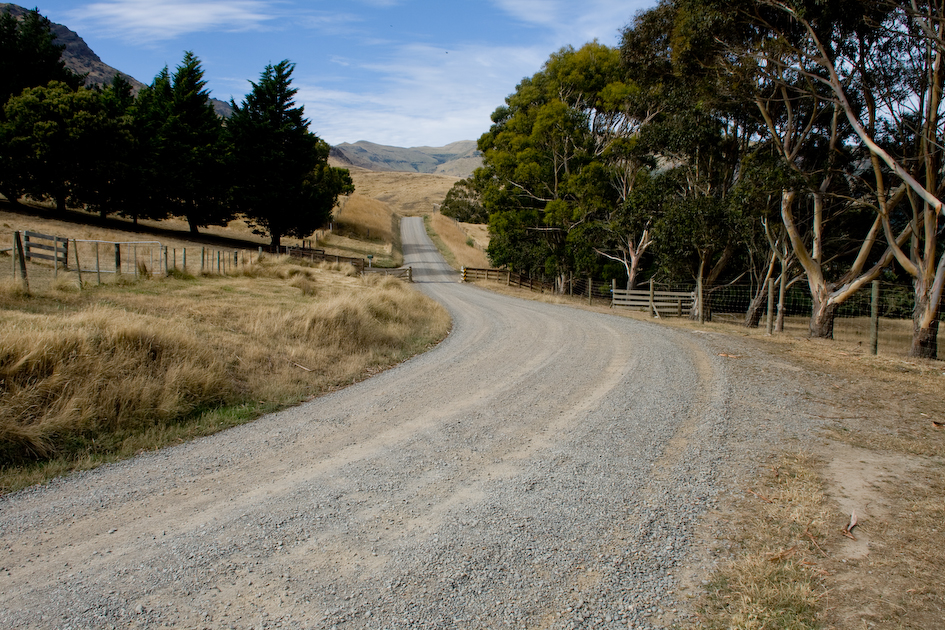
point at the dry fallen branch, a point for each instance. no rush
(783, 555)
(301, 366)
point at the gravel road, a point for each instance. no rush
(543, 467)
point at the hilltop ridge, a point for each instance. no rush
(457, 159)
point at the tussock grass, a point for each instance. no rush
(460, 245)
(774, 579)
(89, 376)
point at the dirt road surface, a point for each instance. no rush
(543, 467)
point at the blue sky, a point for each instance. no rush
(396, 72)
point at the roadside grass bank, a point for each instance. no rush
(95, 375)
(880, 455)
(365, 227)
(457, 242)
(440, 244)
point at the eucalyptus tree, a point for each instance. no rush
(875, 69)
(558, 159)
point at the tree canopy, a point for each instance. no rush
(282, 181)
(724, 138)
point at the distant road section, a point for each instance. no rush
(543, 467)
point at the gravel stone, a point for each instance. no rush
(543, 466)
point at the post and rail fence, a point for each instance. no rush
(313, 254)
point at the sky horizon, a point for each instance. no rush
(395, 72)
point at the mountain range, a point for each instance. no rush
(458, 159)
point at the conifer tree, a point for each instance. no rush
(283, 184)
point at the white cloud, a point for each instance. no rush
(167, 19)
(576, 23)
(421, 95)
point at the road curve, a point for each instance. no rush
(542, 467)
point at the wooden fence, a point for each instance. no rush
(511, 278)
(404, 273)
(657, 303)
(45, 247)
(312, 254)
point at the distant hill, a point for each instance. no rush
(79, 58)
(458, 159)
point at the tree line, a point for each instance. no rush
(731, 140)
(163, 152)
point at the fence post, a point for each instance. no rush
(184, 260)
(770, 305)
(117, 259)
(21, 256)
(166, 268)
(699, 296)
(98, 266)
(203, 255)
(134, 254)
(653, 312)
(78, 267)
(462, 271)
(590, 289)
(613, 291)
(874, 319)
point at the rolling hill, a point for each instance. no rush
(457, 159)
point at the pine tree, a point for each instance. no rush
(284, 185)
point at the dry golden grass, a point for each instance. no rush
(408, 194)
(461, 245)
(117, 368)
(774, 579)
(365, 227)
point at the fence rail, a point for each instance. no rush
(35, 244)
(511, 278)
(660, 303)
(313, 254)
(404, 273)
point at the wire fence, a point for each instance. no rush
(41, 261)
(731, 304)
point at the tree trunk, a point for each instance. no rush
(276, 241)
(782, 290)
(758, 303)
(61, 203)
(924, 330)
(194, 228)
(821, 320)
(632, 272)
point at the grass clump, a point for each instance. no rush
(773, 580)
(89, 376)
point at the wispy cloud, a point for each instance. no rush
(167, 19)
(420, 95)
(576, 23)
